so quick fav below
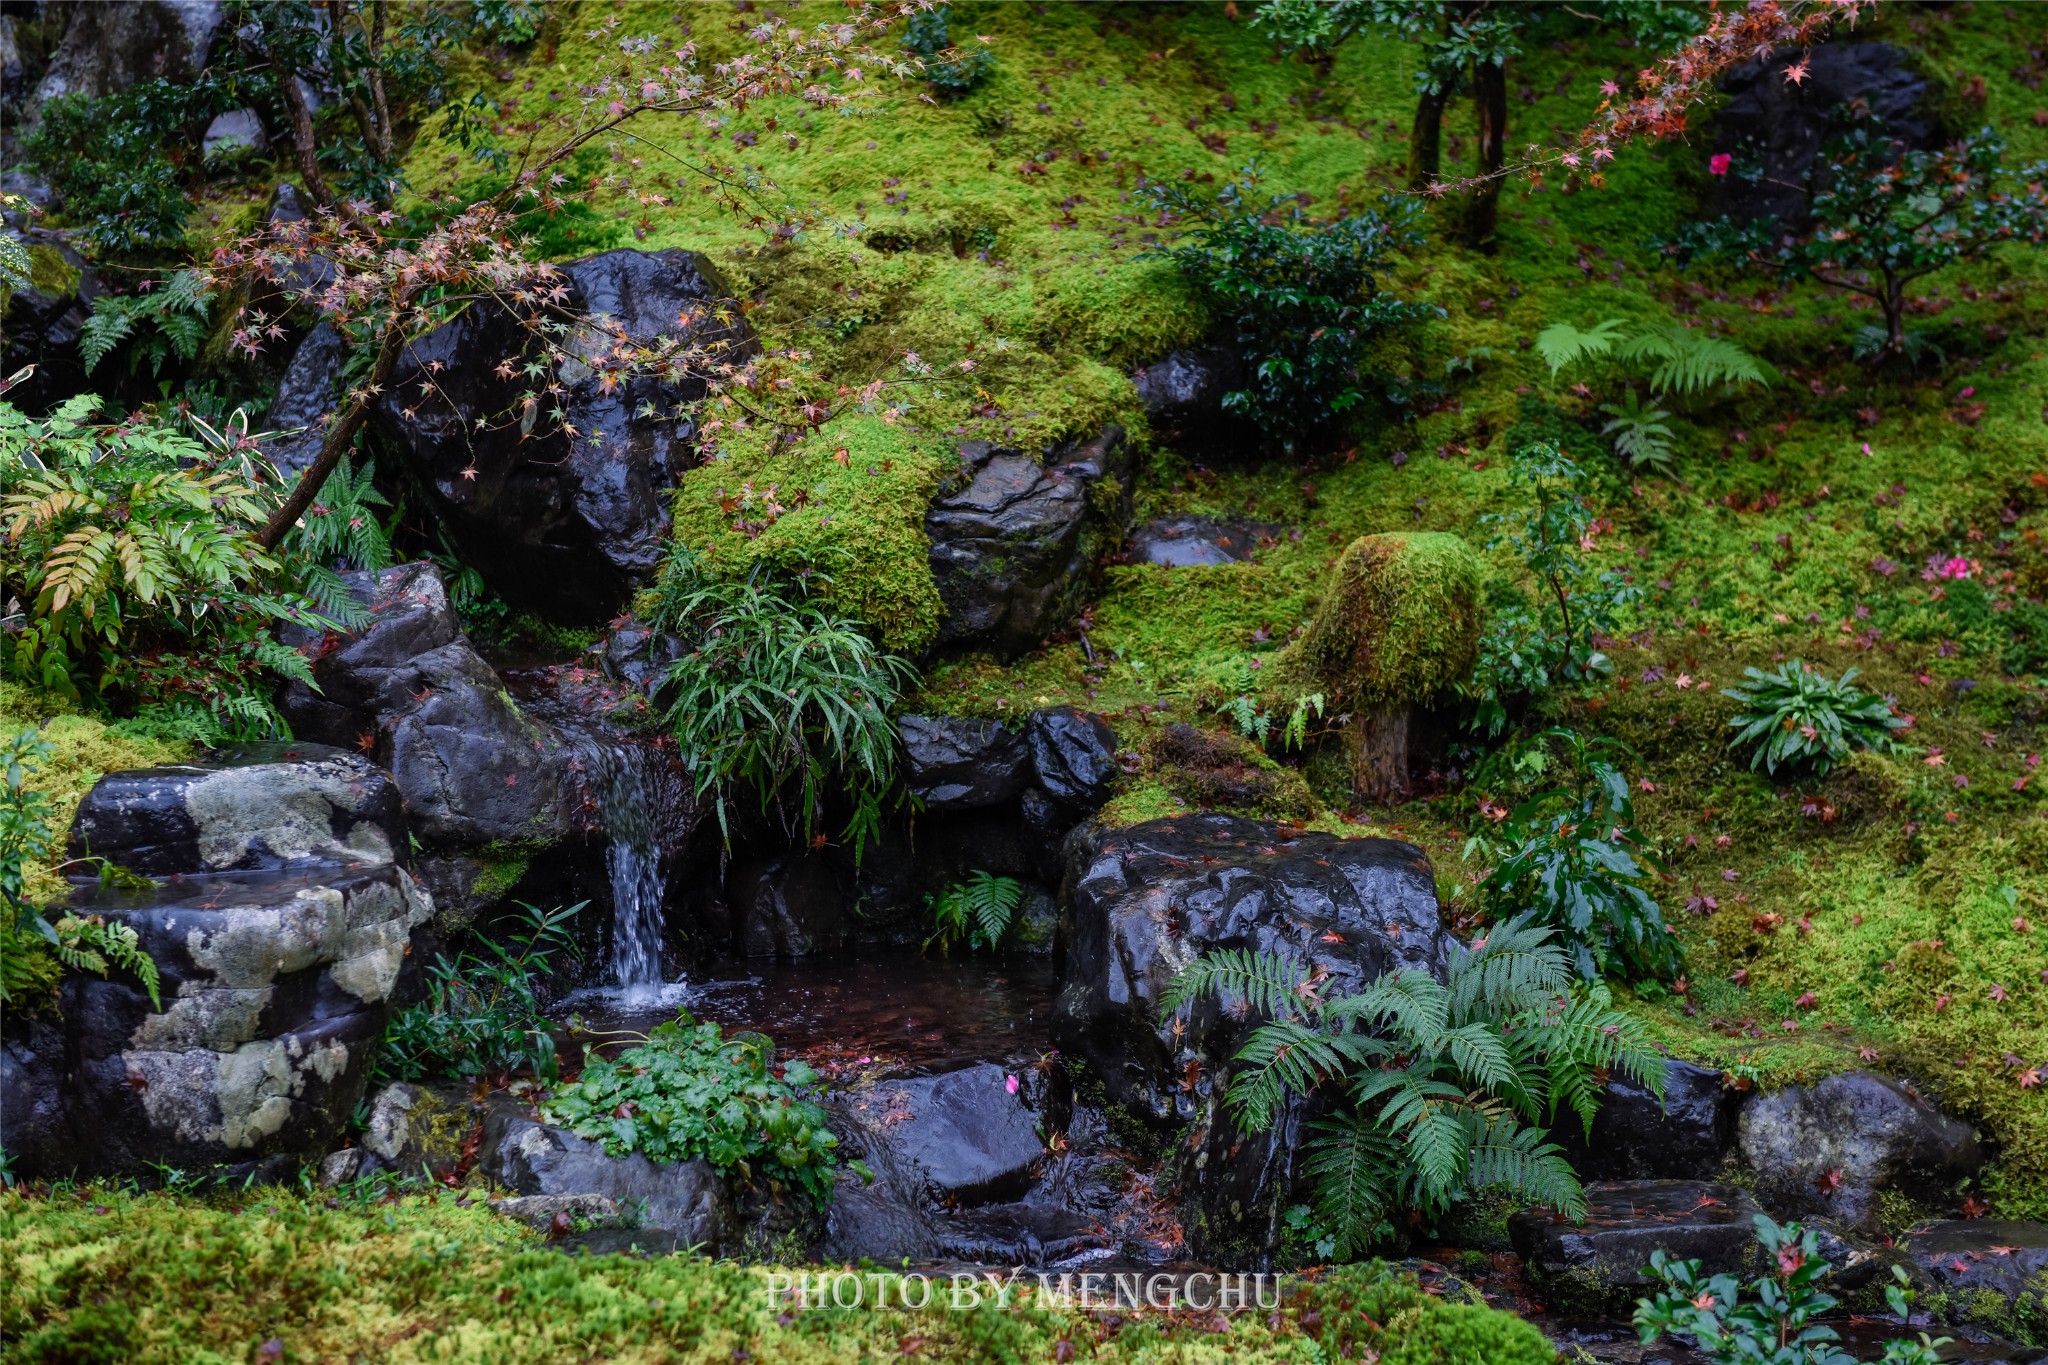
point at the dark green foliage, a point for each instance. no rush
(1780, 1325)
(483, 1012)
(977, 911)
(689, 1092)
(952, 71)
(777, 691)
(1641, 435)
(173, 322)
(134, 549)
(1797, 717)
(1573, 859)
(110, 159)
(1442, 1088)
(1527, 649)
(1884, 216)
(1301, 297)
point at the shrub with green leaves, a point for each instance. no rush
(1572, 858)
(1301, 297)
(777, 692)
(133, 551)
(952, 71)
(484, 1013)
(1781, 1322)
(1439, 1088)
(690, 1092)
(977, 911)
(1798, 718)
(1551, 634)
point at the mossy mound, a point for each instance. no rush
(97, 1273)
(1398, 624)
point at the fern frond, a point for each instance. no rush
(1264, 983)
(1355, 1167)
(1690, 362)
(1561, 344)
(1503, 1152)
(1282, 1057)
(1515, 965)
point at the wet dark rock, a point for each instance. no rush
(417, 1129)
(1777, 127)
(1992, 1272)
(1184, 542)
(564, 527)
(473, 769)
(884, 1219)
(1686, 1137)
(1183, 398)
(966, 1135)
(789, 905)
(276, 986)
(529, 1157)
(306, 278)
(1603, 1265)
(1012, 542)
(34, 1124)
(1074, 754)
(1874, 1133)
(44, 320)
(957, 763)
(1142, 902)
(231, 134)
(1025, 1233)
(108, 48)
(305, 399)
(638, 656)
(260, 806)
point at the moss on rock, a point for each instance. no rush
(1398, 623)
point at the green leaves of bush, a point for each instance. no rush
(952, 72)
(689, 1092)
(1443, 1088)
(483, 1011)
(1798, 717)
(1301, 297)
(1572, 859)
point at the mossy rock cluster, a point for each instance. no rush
(1398, 623)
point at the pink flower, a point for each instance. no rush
(1956, 568)
(1010, 1084)
(1719, 163)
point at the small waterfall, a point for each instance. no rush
(633, 859)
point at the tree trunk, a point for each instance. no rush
(1894, 302)
(339, 438)
(1490, 102)
(302, 131)
(1378, 741)
(1425, 144)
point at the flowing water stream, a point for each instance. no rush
(617, 782)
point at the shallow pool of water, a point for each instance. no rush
(900, 1011)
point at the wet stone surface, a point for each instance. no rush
(1602, 1265)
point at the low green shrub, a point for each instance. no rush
(690, 1092)
(1797, 717)
(484, 1010)
(952, 71)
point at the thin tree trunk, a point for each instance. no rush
(302, 130)
(1425, 144)
(1894, 317)
(1490, 101)
(340, 437)
(1378, 741)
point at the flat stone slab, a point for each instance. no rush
(1187, 542)
(974, 1141)
(1603, 1264)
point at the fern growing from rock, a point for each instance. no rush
(1436, 1088)
(978, 910)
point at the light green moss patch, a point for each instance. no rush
(1398, 623)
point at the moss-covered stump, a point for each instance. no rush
(1398, 626)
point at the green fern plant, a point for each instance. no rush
(977, 911)
(1688, 362)
(166, 322)
(1641, 435)
(1437, 1089)
(1561, 344)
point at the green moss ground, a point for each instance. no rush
(102, 1274)
(1000, 230)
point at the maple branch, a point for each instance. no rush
(339, 438)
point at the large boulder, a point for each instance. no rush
(1013, 539)
(1834, 1147)
(306, 398)
(108, 48)
(1182, 394)
(1774, 128)
(1142, 903)
(562, 518)
(528, 1157)
(275, 987)
(34, 1126)
(966, 1134)
(1074, 756)
(1602, 1265)
(44, 320)
(1687, 1135)
(410, 691)
(260, 806)
(957, 763)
